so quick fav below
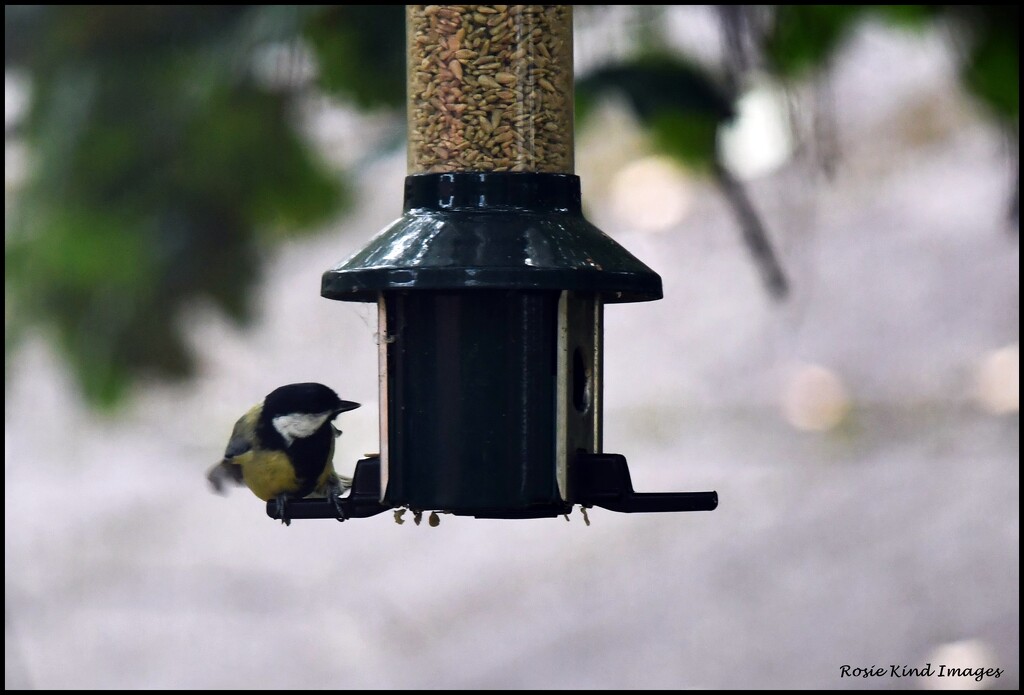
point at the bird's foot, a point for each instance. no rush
(334, 492)
(282, 509)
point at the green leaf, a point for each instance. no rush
(805, 36)
(658, 83)
(361, 52)
(908, 16)
(679, 102)
(991, 69)
(992, 73)
(689, 137)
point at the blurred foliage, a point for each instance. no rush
(991, 68)
(683, 107)
(361, 52)
(164, 164)
(675, 99)
(163, 168)
(683, 104)
(804, 38)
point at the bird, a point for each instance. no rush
(283, 447)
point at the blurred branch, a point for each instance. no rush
(736, 35)
(683, 107)
(1013, 209)
(754, 235)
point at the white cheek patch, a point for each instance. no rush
(299, 425)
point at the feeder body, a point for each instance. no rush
(461, 433)
(492, 285)
(490, 291)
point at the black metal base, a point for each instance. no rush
(601, 480)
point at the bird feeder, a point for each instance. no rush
(491, 287)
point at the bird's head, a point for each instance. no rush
(297, 411)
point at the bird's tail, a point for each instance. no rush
(333, 485)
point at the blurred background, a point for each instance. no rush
(830, 195)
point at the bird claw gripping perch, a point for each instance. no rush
(334, 495)
(280, 504)
(362, 501)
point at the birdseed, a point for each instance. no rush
(490, 88)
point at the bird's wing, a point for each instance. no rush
(243, 435)
(241, 442)
(331, 483)
(224, 472)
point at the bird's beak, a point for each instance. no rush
(345, 406)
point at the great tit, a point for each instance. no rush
(283, 448)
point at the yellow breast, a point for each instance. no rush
(268, 474)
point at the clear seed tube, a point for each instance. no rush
(490, 88)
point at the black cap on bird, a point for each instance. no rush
(283, 448)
